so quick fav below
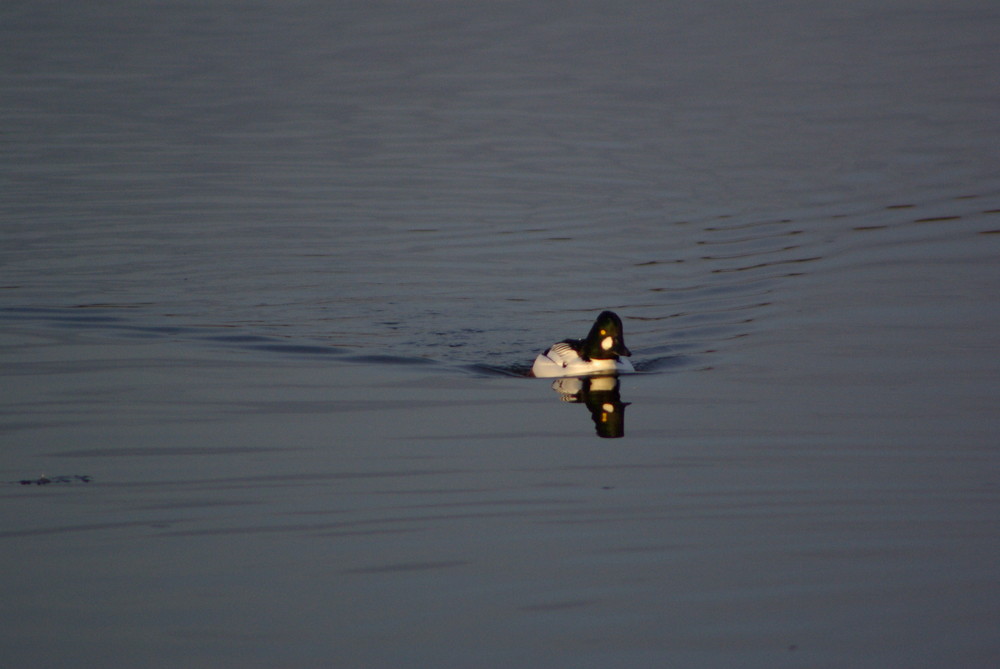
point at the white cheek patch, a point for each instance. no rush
(607, 343)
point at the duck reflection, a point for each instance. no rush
(602, 396)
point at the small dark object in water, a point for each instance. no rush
(39, 481)
(45, 480)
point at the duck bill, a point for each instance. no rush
(622, 349)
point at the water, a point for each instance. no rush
(271, 281)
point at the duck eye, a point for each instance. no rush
(604, 332)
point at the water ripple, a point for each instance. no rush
(488, 297)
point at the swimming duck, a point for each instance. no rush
(597, 354)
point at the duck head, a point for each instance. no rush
(606, 340)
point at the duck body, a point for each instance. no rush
(598, 354)
(564, 359)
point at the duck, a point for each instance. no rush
(599, 353)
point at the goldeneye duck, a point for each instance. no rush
(597, 354)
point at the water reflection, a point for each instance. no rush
(602, 396)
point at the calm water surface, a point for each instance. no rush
(271, 280)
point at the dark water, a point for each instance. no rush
(271, 278)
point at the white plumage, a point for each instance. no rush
(563, 360)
